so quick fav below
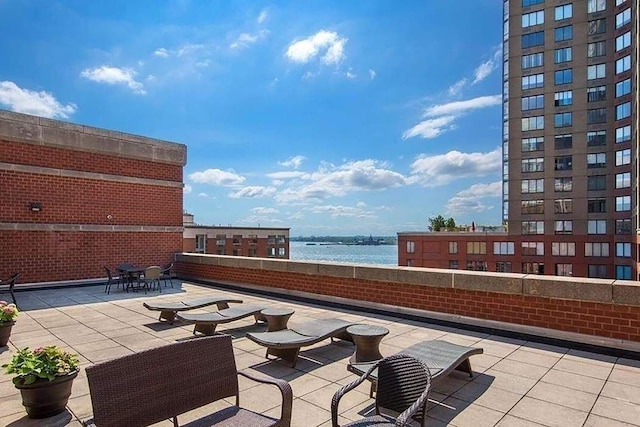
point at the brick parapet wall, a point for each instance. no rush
(595, 308)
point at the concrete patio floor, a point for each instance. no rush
(516, 383)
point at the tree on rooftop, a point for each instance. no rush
(439, 223)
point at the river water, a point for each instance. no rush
(354, 254)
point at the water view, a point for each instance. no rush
(325, 251)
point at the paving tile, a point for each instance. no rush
(533, 358)
(463, 413)
(598, 421)
(625, 376)
(322, 397)
(305, 414)
(574, 381)
(580, 368)
(520, 369)
(617, 410)
(628, 393)
(547, 413)
(508, 382)
(511, 421)
(563, 396)
(628, 365)
(487, 396)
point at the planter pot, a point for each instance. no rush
(5, 333)
(44, 398)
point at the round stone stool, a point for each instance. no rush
(367, 340)
(277, 318)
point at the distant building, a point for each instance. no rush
(263, 242)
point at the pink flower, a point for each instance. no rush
(2, 303)
(8, 310)
(39, 350)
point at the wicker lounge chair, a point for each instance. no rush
(286, 343)
(161, 383)
(403, 387)
(9, 284)
(206, 323)
(169, 310)
(442, 357)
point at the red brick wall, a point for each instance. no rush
(606, 320)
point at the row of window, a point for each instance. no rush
(560, 77)
(566, 33)
(565, 119)
(594, 139)
(565, 206)
(565, 98)
(623, 272)
(594, 160)
(591, 249)
(596, 26)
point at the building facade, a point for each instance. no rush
(263, 242)
(570, 170)
(75, 198)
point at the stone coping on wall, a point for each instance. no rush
(607, 291)
(42, 131)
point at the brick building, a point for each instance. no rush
(75, 198)
(237, 241)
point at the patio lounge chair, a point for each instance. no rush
(206, 323)
(9, 284)
(155, 385)
(442, 357)
(168, 310)
(404, 384)
(286, 343)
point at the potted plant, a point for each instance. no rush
(44, 377)
(8, 315)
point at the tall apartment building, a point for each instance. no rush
(570, 170)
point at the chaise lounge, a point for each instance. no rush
(442, 357)
(206, 323)
(286, 343)
(169, 310)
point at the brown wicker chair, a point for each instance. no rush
(403, 387)
(161, 383)
(10, 283)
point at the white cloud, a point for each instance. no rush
(114, 76)
(461, 107)
(308, 75)
(350, 75)
(294, 162)
(217, 177)
(247, 39)
(486, 68)
(261, 210)
(203, 195)
(372, 74)
(253, 191)
(338, 211)
(26, 101)
(457, 87)
(329, 42)
(263, 16)
(441, 169)
(470, 199)
(430, 128)
(187, 189)
(161, 52)
(286, 175)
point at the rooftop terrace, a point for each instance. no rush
(515, 383)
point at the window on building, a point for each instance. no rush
(596, 182)
(533, 18)
(561, 206)
(563, 184)
(596, 160)
(623, 203)
(221, 251)
(562, 77)
(453, 264)
(596, 5)
(597, 115)
(623, 250)
(533, 165)
(596, 138)
(563, 12)
(503, 267)
(477, 265)
(564, 54)
(597, 26)
(532, 248)
(623, 226)
(526, 3)
(598, 71)
(564, 163)
(623, 18)
(532, 102)
(476, 248)
(596, 249)
(623, 157)
(564, 270)
(623, 111)
(201, 243)
(623, 134)
(411, 263)
(561, 34)
(597, 226)
(623, 88)
(532, 206)
(532, 123)
(533, 81)
(532, 227)
(623, 64)
(533, 268)
(623, 272)
(623, 180)
(618, 2)
(533, 39)
(595, 94)
(598, 205)
(533, 60)
(563, 98)
(532, 185)
(503, 248)
(411, 247)
(253, 252)
(596, 49)
(532, 144)
(253, 239)
(221, 239)
(271, 252)
(237, 252)
(563, 227)
(623, 41)
(597, 271)
(237, 239)
(563, 142)
(563, 249)
(562, 119)
(282, 252)
(453, 247)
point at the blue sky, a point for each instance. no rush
(328, 117)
